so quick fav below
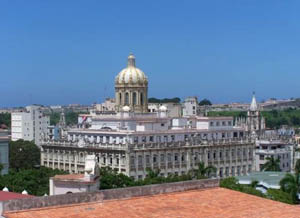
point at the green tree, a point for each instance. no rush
(279, 195)
(202, 171)
(290, 184)
(54, 118)
(254, 183)
(272, 164)
(205, 102)
(5, 118)
(23, 155)
(164, 100)
(34, 181)
(112, 179)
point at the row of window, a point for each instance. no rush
(134, 98)
(234, 153)
(182, 157)
(221, 123)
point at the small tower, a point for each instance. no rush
(255, 123)
(62, 119)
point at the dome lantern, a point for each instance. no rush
(131, 60)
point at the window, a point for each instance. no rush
(182, 157)
(147, 159)
(154, 159)
(126, 98)
(261, 157)
(176, 157)
(142, 99)
(140, 160)
(211, 123)
(233, 171)
(162, 158)
(223, 123)
(134, 98)
(120, 98)
(165, 138)
(221, 172)
(169, 157)
(249, 168)
(151, 138)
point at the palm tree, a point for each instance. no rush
(290, 184)
(272, 164)
(202, 171)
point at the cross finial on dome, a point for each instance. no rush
(131, 60)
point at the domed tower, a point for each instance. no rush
(131, 88)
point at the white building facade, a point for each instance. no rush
(133, 139)
(30, 124)
(278, 150)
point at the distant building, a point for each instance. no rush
(74, 183)
(174, 109)
(53, 132)
(274, 148)
(4, 150)
(190, 107)
(30, 124)
(108, 105)
(254, 123)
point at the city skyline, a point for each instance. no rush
(219, 51)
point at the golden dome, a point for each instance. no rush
(131, 74)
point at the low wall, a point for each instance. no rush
(109, 194)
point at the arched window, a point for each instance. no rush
(120, 98)
(126, 98)
(134, 98)
(142, 99)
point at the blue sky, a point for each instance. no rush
(62, 52)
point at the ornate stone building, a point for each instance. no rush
(132, 140)
(131, 88)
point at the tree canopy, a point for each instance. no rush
(23, 155)
(71, 118)
(34, 181)
(5, 118)
(205, 102)
(164, 100)
(272, 164)
(274, 194)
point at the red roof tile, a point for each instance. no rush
(5, 196)
(212, 203)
